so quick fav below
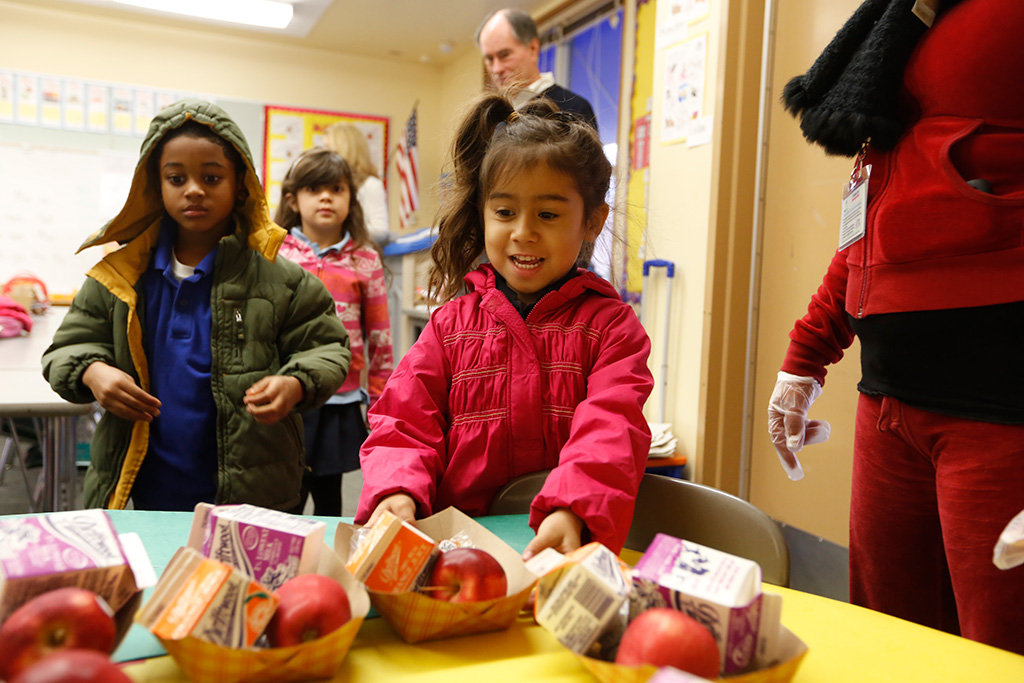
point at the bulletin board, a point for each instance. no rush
(289, 131)
(68, 150)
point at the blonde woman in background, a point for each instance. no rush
(350, 143)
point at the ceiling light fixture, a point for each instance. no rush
(265, 13)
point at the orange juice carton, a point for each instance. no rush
(721, 591)
(583, 596)
(75, 548)
(267, 545)
(391, 555)
(201, 597)
(204, 661)
(414, 615)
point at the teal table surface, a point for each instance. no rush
(162, 533)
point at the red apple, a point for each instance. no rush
(73, 666)
(662, 636)
(310, 607)
(63, 618)
(467, 575)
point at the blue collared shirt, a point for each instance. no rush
(180, 468)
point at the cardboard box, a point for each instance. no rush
(417, 617)
(267, 545)
(205, 662)
(75, 548)
(391, 556)
(580, 597)
(720, 590)
(200, 597)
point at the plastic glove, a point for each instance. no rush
(788, 425)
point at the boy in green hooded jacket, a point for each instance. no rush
(198, 343)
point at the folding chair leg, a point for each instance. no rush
(14, 445)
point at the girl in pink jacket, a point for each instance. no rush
(538, 365)
(328, 237)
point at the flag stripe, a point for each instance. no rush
(407, 162)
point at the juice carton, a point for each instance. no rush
(267, 545)
(206, 662)
(720, 590)
(579, 598)
(416, 616)
(391, 556)
(75, 548)
(209, 600)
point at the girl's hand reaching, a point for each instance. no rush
(273, 397)
(401, 505)
(118, 393)
(561, 530)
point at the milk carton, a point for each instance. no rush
(266, 545)
(209, 600)
(578, 599)
(76, 548)
(719, 590)
(390, 556)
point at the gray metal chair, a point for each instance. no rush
(686, 510)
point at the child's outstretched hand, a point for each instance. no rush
(118, 393)
(561, 530)
(272, 397)
(401, 505)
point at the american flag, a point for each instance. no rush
(408, 163)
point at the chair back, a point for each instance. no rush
(686, 510)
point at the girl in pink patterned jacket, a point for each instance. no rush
(329, 239)
(539, 365)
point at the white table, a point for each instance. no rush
(24, 393)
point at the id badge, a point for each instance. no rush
(854, 220)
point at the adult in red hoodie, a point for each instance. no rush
(934, 290)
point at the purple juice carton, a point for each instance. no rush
(719, 590)
(75, 548)
(266, 545)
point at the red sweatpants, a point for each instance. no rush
(931, 494)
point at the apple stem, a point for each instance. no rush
(57, 637)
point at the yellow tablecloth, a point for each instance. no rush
(847, 643)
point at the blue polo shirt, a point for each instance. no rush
(180, 467)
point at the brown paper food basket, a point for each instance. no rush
(204, 662)
(417, 617)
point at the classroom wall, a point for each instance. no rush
(77, 44)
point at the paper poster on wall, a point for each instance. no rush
(98, 103)
(28, 99)
(685, 72)
(143, 111)
(675, 18)
(74, 105)
(124, 111)
(50, 102)
(289, 131)
(6, 97)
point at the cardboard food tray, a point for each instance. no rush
(792, 652)
(417, 617)
(204, 662)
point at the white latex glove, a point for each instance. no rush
(787, 420)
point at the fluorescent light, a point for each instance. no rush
(265, 13)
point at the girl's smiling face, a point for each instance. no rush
(534, 227)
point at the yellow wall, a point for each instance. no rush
(77, 44)
(678, 218)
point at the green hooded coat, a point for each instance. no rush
(268, 317)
